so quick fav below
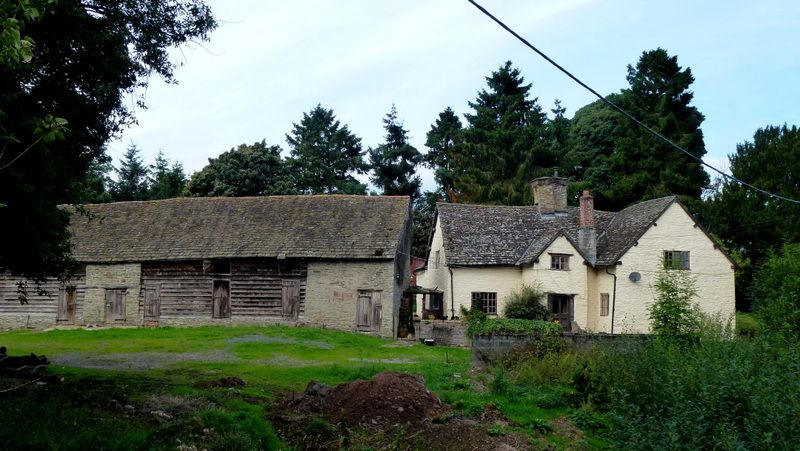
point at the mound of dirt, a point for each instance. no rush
(392, 410)
(386, 400)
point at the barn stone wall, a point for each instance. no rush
(332, 293)
(102, 277)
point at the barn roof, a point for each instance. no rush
(324, 227)
(513, 235)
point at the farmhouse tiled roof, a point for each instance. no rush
(316, 227)
(514, 235)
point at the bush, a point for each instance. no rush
(526, 304)
(674, 314)
(499, 326)
(776, 293)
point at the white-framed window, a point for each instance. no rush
(485, 301)
(559, 262)
(603, 304)
(676, 260)
(437, 259)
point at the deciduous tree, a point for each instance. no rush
(247, 170)
(64, 100)
(621, 161)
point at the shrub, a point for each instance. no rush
(498, 326)
(674, 314)
(526, 304)
(776, 293)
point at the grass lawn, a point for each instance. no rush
(149, 388)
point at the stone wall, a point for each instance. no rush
(444, 333)
(332, 293)
(102, 277)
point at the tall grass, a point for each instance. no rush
(714, 393)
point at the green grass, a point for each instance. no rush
(270, 359)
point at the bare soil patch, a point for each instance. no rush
(392, 410)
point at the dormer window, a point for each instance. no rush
(559, 262)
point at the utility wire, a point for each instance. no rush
(625, 113)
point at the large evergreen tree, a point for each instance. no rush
(63, 97)
(443, 141)
(247, 170)
(503, 144)
(325, 155)
(395, 161)
(167, 181)
(132, 177)
(622, 162)
(754, 224)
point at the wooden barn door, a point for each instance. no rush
(67, 300)
(222, 299)
(152, 303)
(115, 305)
(368, 311)
(290, 298)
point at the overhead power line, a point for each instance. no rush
(625, 113)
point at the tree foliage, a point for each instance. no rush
(63, 101)
(133, 177)
(395, 161)
(503, 143)
(247, 170)
(325, 155)
(167, 181)
(751, 224)
(776, 293)
(621, 161)
(443, 141)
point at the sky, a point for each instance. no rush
(271, 61)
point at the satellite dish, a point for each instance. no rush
(634, 277)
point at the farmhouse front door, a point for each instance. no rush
(368, 311)
(561, 306)
(222, 299)
(115, 304)
(152, 303)
(290, 298)
(66, 305)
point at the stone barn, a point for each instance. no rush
(335, 261)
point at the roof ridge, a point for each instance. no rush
(236, 198)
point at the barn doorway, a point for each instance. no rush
(67, 302)
(368, 311)
(562, 308)
(151, 308)
(115, 304)
(222, 299)
(290, 299)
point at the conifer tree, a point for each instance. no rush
(503, 144)
(395, 161)
(132, 177)
(167, 181)
(443, 141)
(325, 155)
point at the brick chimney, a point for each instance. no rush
(550, 195)
(587, 235)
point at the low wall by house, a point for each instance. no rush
(443, 332)
(487, 349)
